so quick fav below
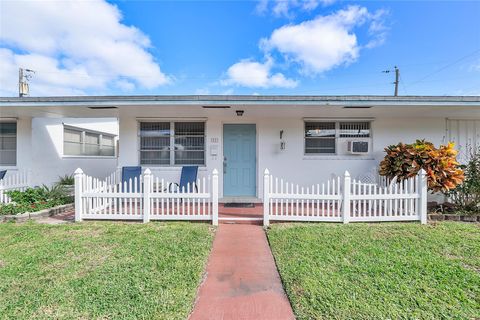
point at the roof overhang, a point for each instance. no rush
(254, 106)
(240, 100)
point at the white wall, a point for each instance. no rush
(291, 163)
(47, 149)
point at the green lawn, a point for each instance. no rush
(380, 271)
(101, 270)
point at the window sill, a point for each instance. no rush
(171, 168)
(339, 157)
(89, 157)
(14, 168)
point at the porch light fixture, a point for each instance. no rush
(239, 112)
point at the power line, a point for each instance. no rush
(447, 66)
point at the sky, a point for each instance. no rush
(286, 47)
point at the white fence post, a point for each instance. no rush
(346, 197)
(215, 197)
(422, 192)
(28, 178)
(147, 184)
(266, 200)
(78, 194)
(2, 200)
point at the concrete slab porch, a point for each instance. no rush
(241, 215)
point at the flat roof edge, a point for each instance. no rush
(240, 98)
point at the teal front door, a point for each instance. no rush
(239, 155)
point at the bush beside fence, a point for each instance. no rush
(18, 181)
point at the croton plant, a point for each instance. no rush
(405, 160)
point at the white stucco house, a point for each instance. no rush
(303, 138)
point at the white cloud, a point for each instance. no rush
(317, 45)
(285, 7)
(249, 73)
(326, 41)
(377, 29)
(74, 47)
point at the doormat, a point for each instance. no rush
(239, 205)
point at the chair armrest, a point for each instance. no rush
(169, 188)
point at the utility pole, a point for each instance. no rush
(24, 76)
(397, 79)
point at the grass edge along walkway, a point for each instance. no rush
(98, 270)
(385, 270)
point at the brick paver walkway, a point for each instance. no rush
(242, 281)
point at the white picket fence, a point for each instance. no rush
(147, 198)
(345, 200)
(17, 181)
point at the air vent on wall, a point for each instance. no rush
(216, 107)
(101, 108)
(357, 107)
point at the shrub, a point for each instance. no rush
(406, 160)
(35, 199)
(466, 196)
(66, 180)
(30, 195)
(15, 208)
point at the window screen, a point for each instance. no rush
(72, 142)
(8, 143)
(78, 142)
(172, 143)
(320, 137)
(92, 144)
(108, 146)
(189, 143)
(155, 143)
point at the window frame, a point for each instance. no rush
(171, 137)
(16, 143)
(337, 137)
(83, 132)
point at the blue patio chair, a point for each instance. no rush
(187, 177)
(131, 173)
(2, 174)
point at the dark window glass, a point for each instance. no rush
(8, 143)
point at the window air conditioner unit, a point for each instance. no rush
(358, 147)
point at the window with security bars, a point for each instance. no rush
(8, 143)
(321, 137)
(80, 142)
(354, 129)
(172, 143)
